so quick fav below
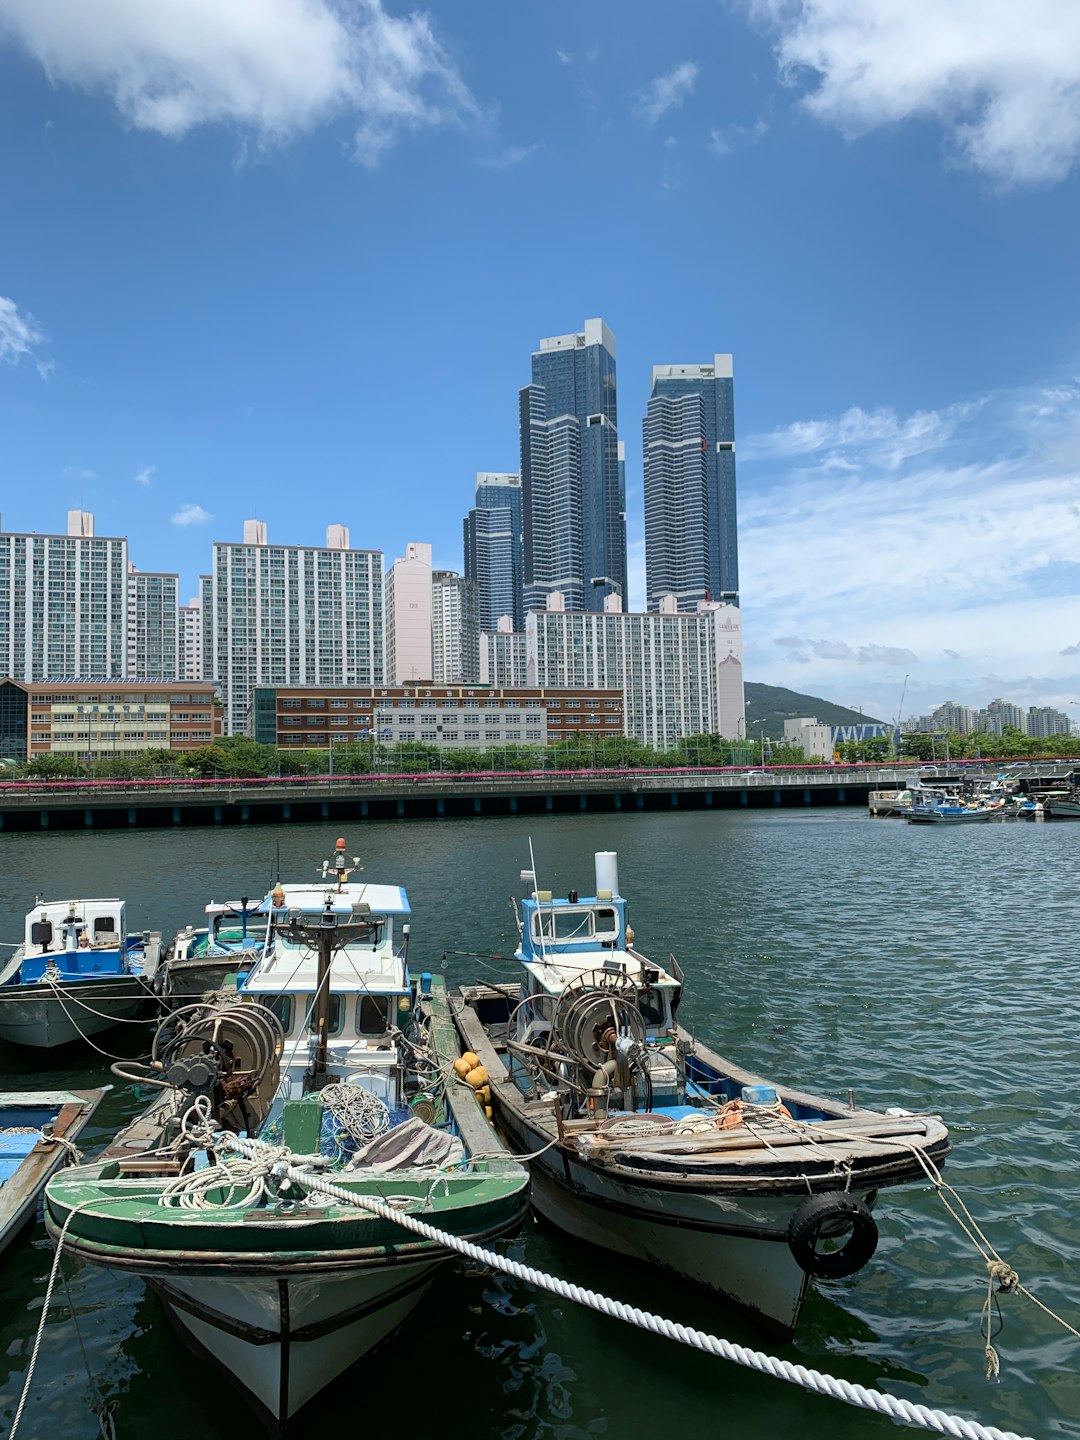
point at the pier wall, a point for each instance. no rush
(89, 807)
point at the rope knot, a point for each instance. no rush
(1006, 1277)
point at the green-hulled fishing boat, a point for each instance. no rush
(341, 1066)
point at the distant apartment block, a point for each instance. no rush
(820, 740)
(63, 602)
(455, 629)
(475, 717)
(679, 674)
(691, 538)
(189, 636)
(153, 626)
(494, 556)
(502, 655)
(1044, 721)
(290, 614)
(104, 719)
(407, 607)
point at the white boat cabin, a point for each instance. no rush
(580, 942)
(369, 989)
(74, 937)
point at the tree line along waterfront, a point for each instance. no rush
(241, 757)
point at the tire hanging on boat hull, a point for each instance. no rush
(825, 1215)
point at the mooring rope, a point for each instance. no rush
(917, 1416)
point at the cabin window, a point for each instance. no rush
(371, 1016)
(369, 931)
(652, 1007)
(104, 925)
(336, 1015)
(282, 1007)
(583, 924)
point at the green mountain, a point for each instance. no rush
(774, 704)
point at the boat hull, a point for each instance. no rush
(283, 1340)
(42, 1017)
(973, 817)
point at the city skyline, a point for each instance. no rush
(218, 300)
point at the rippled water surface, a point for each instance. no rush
(931, 969)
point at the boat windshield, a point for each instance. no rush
(595, 923)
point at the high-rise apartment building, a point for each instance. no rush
(691, 542)
(290, 615)
(494, 556)
(407, 608)
(63, 603)
(455, 629)
(153, 626)
(680, 674)
(502, 655)
(573, 490)
(190, 632)
(1044, 721)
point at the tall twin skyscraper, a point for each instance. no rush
(561, 524)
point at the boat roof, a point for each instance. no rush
(310, 898)
(556, 970)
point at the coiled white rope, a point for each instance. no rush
(917, 1416)
(361, 1115)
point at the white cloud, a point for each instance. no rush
(947, 535)
(277, 68)
(19, 334)
(1002, 79)
(189, 514)
(508, 158)
(564, 57)
(726, 139)
(666, 92)
(145, 475)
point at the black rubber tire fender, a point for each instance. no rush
(812, 1218)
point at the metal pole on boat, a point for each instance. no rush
(317, 1077)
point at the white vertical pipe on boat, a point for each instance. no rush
(607, 871)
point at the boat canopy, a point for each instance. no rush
(564, 939)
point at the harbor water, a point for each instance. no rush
(935, 970)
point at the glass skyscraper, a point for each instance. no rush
(573, 496)
(493, 549)
(691, 540)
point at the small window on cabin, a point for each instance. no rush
(104, 925)
(606, 922)
(281, 1005)
(368, 931)
(652, 1007)
(371, 1016)
(337, 1017)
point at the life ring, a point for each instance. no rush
(830, 1217)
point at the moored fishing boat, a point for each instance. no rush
(328, 1059)
(1062, 805)
(38, 1130)
(199, 960)
(78, 972)
(936, 806)
(646, 1142)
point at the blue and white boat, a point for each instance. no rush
(939, 806)
(199, 960)
(78, 972)
(642, 1140)
(37, 1134)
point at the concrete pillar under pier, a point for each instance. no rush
(133, 815)
(806, 796)
(43, 819)
(286, 810)
(440, 806)
(618, 801)
(674, 799)
(363, 809)
(841, 798)
(708, 799)
(549, 803)
(88, 818)
(176, 820)
(640, 800)
(245, 814)
(324, 809)
(744, 797)
(513, 804)
(583, 801)
(777, 797)
(217, 814)
(401, 809)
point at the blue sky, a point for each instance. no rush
(288, 259)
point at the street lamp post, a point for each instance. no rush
(762, 738)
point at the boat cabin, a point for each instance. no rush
(585, 941)
(74, 938)
(369, 986)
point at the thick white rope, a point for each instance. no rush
(918, 1416)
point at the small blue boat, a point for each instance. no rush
(931, 806)
(37, 1134)
(77, 972)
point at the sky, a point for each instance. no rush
(288, 259)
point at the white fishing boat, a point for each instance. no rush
(642, 1140)
(78, 972)
(328, 1060)
(200, 959)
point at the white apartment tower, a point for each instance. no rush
(290, 615)
(680, 674)
(153, 626)
(189, 631)
(408, 607)
(502, 656)
(455, 629)
(63, 603)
